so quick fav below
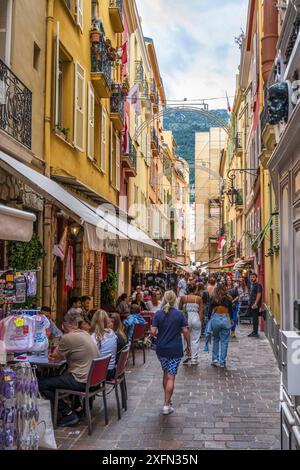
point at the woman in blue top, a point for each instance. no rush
(168, 324)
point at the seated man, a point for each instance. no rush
(54, 330)
(133, 319)
(79, 350)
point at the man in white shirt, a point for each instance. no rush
(182, 284)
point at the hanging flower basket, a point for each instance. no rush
(95, 36)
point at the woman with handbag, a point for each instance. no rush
(192, 307)
(168, 325)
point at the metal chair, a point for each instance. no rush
(120, 379)
(139, 338)
(95, 384)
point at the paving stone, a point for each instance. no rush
(214, 409)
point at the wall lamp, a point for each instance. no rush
(232, 192)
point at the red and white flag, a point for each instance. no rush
(228, 104)
(221, 243)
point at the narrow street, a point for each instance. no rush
(214, 409)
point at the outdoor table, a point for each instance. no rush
(47, 367)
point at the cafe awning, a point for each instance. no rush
(16, 225)
(140, 244)
(175, 261)
(100, 234)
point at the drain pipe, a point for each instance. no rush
(269, 37)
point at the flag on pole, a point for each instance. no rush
(228, 104)
(134, 98)
(124, 54)
(221, 243)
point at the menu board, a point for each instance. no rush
(12, 288)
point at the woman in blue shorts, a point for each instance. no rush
(168, 325)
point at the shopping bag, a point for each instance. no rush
(45, 426)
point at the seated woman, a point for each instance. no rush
(138, 301)
(122, 304)
(117, 326)
(106, 340)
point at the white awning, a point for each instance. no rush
(100, 234)
(141, 244)
(16, 225)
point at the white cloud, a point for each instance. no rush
(195, 44)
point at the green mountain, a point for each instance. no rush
(184, 126)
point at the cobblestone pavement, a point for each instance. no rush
(214, 409)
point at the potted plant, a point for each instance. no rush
(63, 132)
(95, 35)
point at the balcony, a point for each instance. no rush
(130, 160)
(154, 96)
(15, 107)
(154, 142)
(238, 143)
(139, 74)
(102, 68)
(117, 108)
(116, 15)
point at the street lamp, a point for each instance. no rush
(232, 192)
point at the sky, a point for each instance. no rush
(194, 41)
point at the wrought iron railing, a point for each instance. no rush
(117, 100)
(117, 4)
(102, 61)
(139, 71)
(15, 106)
(132, 154)
(154, 138)
(238, 141)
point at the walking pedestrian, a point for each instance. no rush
(167, 327)
(192, 306)
(211, 285)
(182, 284)
(234, 294)
(221, 313)
(255, 303)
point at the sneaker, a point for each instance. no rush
(223, 366)
(215, 363)
(194, 363)
(186, 361)
(167, 410)
(253, 335)
(69, 420)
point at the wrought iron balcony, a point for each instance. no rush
(117, 107)
(15, 106)
(132, 155)
(139, 72)
(238, 141)
(116, 15)
(102, 66)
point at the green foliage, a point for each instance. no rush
(109, 289)
(25, 256)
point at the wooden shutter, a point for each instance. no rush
(79, 107)
(56, 118)
(118, 162)
(79, 13)
(91, 123)
(111, 153)
(103, 142)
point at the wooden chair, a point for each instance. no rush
(138, 338)
(120, 380)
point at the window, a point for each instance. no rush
(5, 30)
(36, 56)
(79, 13)
(103, 141)
(91, 123)
(64, 77)
(79, 107)
(111, 154)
